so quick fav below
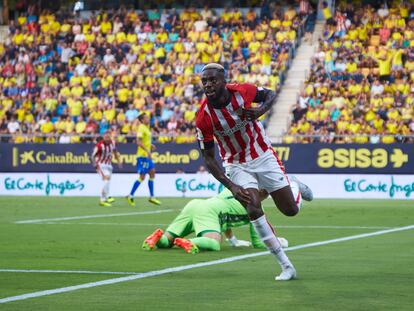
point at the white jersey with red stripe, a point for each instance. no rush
(239, 140)
(304, 7)
(340, 22)
(103, 153)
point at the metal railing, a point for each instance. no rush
(297, 138)
(342, 138)
(4, 33)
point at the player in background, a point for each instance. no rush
(227, 115)
(102, 161)
(208, 219)
(144, 161)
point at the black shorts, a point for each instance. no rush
(384, 78)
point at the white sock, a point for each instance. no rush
(268, 237)
(296, 193)
(105, 190)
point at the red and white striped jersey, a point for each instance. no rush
(239, 140)
(340, 22)
(304, 7)
(103, 152)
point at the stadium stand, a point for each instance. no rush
(68, 78)
(360, 88)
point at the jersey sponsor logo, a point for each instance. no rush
(229, 220)
(231, 131)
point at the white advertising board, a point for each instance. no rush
(339, 186)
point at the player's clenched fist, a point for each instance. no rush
(251, 114)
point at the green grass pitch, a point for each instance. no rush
(368, 273)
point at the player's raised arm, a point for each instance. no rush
(264, 96)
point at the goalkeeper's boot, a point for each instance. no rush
(304, 190)
(154, 201)
(130, 200)
(288, 273)
(151, 241)
(189, 247)
(110, 200)
(105, 203)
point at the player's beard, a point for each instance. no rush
(215, 99)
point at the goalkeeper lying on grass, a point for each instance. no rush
(208, 219)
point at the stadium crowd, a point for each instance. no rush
(360, 88)
(66, 77)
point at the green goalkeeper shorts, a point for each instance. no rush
(197, 216)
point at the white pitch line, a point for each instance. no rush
(333, 227)
(192, 266)
(65, 271)
(99, 223)
(146, 224)
(33, 221)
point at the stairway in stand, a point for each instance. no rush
(280, 118)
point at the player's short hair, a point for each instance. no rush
(214, 66)
(141, 115)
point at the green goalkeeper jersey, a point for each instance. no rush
(216, 214)
(229, 211)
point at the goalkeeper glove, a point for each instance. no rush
(233, 241)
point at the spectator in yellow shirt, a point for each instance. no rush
(47, 127)
(106, 26)
(75, 108)
(96, 114)
(384, 64)
(69, 125)
(80, 126)
(60, 125)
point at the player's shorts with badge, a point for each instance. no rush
(105, 170)
(144, 165)
(265, 172)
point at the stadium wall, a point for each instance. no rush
(169, 158)
(333, 171)
(343, 186)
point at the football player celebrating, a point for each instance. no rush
(228, 116)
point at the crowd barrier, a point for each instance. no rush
(170, 158)
(338, 186)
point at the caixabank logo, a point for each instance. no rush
(77, 158)
(27, 157)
